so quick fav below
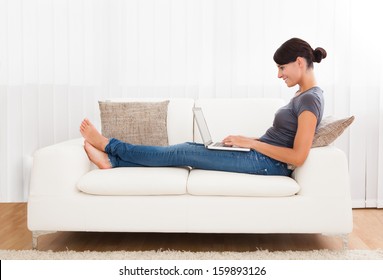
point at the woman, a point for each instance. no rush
(287, 142)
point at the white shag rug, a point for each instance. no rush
(185, 255)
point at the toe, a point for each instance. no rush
(87, 122)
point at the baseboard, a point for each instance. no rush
(358, 203)
(367, 204)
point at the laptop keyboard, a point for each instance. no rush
(220, 144)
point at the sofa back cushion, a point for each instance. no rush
(238, 116)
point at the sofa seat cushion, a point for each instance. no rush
(204, 182)
(135, 181)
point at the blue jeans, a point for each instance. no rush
(195, 155)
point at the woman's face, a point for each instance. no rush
(290, 73)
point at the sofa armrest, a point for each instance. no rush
(57, 168)
(324, 173)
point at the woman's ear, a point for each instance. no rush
(301, 61)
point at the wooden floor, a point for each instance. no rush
(14, 234)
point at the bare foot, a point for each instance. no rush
(92, 136)
(99, 158)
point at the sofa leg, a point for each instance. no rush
(345, 241)
(343, 237)
(35, 237)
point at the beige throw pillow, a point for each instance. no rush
(142, 123)
(329, 129)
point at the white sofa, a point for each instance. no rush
(68, 193)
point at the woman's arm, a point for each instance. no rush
(302, 143)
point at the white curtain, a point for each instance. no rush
(58, 57)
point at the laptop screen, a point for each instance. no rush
(201, 123)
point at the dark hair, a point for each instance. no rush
(295, 47)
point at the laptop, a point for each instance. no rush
(206, 137)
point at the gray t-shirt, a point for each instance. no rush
(285, 124)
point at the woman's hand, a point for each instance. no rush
(239, 141)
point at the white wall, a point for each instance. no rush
(58, 57)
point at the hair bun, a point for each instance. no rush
(319, 54)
